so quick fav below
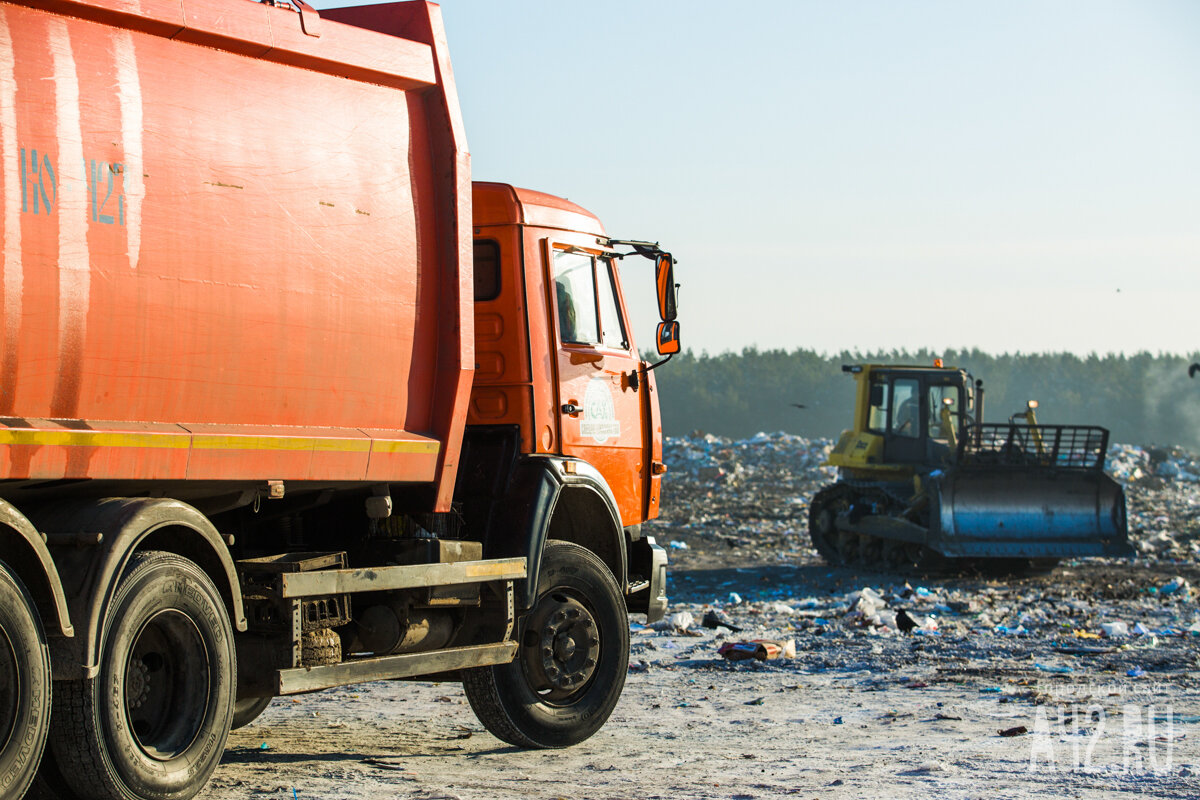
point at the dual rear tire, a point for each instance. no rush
(24, 687)
(154, 722)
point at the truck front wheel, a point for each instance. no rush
(24, 687)
(153, 723)
(571, 662)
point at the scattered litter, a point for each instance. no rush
(1136, 672)
(758, 649)
(1084, 650)
(1112, 630)
(679, 622)
(718, 619)
(1054, 668)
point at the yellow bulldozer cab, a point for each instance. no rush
(905, 418)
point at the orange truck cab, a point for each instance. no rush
(287, 402)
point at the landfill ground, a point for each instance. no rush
(1093, 671)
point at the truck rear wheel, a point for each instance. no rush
(571, 663)
(24, 687)
(153, 723)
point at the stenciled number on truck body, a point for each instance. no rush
(39, 187)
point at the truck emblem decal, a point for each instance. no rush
(599, 415)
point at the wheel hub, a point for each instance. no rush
(166, 685)
(562, 653)
(137, 688)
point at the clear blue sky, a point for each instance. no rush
(1008, 175)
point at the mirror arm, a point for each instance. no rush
(658, 364)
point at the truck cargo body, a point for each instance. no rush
(286, 403)
(208, 276)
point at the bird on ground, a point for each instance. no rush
(904, 622)
(717, 619)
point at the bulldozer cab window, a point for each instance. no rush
(906, 402)
(943, 416)
(878, 413)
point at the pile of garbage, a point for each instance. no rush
(750, 496)
(1131, 463)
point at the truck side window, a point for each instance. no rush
(487, 269)
(906, 402)
(612, 330)
(575, 295)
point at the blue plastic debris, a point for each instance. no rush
(1057, 670)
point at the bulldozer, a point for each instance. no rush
(926, 485)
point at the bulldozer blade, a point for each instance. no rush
(1039, 513)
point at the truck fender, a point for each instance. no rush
(97, 541)
(24, 549)
(556, 498)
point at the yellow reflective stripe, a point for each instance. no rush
(400, 446)
(12, 436)
(203, 442)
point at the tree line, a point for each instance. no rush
(1142, 399)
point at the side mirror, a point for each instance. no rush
(668, 338)
(664, 280)
(876, 398)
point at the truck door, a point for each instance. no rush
(599, 396)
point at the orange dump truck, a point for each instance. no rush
(286, 403)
